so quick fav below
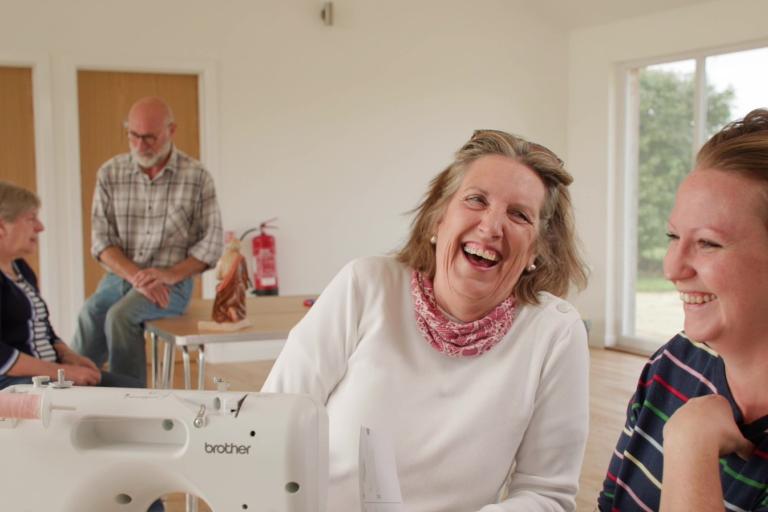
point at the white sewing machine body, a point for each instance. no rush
(120, 449)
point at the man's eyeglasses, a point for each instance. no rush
(147, 138)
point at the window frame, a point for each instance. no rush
(622, 222)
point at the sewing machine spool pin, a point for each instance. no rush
(60, 383)
(40, 381)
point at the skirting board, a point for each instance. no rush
(242, 351)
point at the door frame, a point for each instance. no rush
(71, 286)
(45, 161)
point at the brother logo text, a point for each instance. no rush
(228, 448)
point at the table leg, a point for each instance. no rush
(167, 365)
(173, 367)
(191, 503)
(201, 367)
(154, 354)
(185, 357)
(191, 499)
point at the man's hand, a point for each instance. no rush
(158, 293)
(146, 276)
(153, 283)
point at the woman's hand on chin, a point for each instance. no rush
(706, 423)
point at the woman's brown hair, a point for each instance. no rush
(558, 261)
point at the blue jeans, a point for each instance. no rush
(111, 324)
(157, 506)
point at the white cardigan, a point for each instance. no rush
(500, 432)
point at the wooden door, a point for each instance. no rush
(104, 98)
(17, 133)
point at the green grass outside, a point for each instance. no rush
(653, 284)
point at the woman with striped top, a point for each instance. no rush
(28, 344)
(696, 431)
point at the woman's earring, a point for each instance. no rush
(531, 267)
(433, 240)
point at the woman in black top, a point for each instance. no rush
(28, 344)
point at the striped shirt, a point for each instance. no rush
(158, 222)
(19, 317)
(39, 342)
(680, 370)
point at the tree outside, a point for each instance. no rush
(666, 156)
(665, 146)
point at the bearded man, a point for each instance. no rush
(155, 225)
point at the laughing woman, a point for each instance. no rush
(459, 348)
(698, 421)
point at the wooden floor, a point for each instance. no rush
(613, 377)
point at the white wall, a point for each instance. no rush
(335, 130)
(594, 56)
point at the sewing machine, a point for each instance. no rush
(74, 449)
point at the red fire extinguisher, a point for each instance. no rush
(265, 258)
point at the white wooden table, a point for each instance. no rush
(271, 318)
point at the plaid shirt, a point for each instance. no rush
(160, 222)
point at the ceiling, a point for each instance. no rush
(574, 14)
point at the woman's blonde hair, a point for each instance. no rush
(558, 260)
(15, 200)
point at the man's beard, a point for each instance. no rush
(153, 158)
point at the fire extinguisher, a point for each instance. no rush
(265, 258)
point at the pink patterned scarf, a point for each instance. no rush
(458, 339)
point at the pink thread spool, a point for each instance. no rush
(25, 406)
